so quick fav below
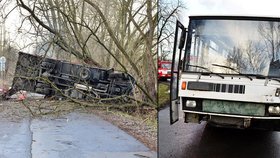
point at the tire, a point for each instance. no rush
(84, 73)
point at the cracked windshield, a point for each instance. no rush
(235, 46)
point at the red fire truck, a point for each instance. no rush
(164, 70)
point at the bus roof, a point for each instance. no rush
(236, 17)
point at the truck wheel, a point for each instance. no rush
(84, 73)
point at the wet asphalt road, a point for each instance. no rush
(71, 136)
(182, 140)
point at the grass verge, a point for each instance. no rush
(163, 95)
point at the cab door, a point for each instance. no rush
(179, 42)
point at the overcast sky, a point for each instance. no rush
(231, 7)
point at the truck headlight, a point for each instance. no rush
(277, 93)
(191, 103)
(164, 72)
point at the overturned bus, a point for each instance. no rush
(52, 77)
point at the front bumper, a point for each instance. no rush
(234, 121)
(234, 116)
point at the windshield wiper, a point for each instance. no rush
(204, 68)
(275, 79)
(266, 77)
(227, 67)
(258, 76)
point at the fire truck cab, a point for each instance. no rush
(164, 70)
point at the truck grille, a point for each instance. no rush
(238, 108)
(216, 87)
(229, 88)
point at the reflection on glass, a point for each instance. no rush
(177, 53)
(174, 87)
(166, 66)
(175, 71)
(247, 46)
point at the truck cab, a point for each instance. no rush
(230, 73)
(164, 70)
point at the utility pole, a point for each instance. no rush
(2, 36)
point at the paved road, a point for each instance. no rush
(200, 141)
(74, 135)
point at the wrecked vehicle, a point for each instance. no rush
(56, 78)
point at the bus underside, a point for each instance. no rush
(62, 79)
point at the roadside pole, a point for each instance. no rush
(2, 70)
